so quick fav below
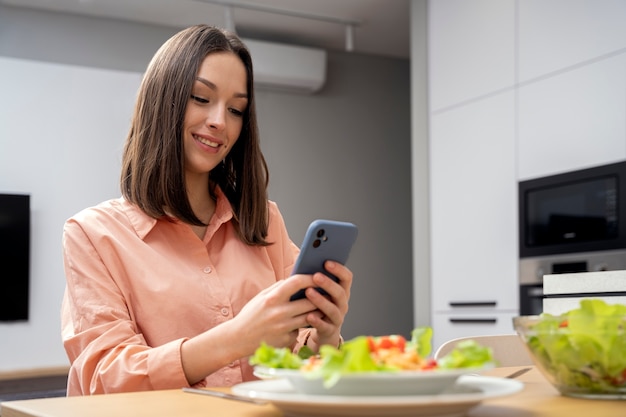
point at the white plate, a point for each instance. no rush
(466, 393)
(427, 382)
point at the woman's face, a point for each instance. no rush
(214, 114)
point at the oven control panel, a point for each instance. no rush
(532, 270)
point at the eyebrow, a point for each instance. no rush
(214, 87)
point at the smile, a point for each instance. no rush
(206, 141)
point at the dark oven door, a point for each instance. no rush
(530, 299)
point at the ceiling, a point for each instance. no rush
(381, 27)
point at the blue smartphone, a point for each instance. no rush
(324, 240)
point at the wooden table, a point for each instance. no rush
(538, 398)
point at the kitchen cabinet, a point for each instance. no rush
(472, 163)
(467, 322)
(472, 167)
(563, 128)
(571, 70)
(473, 213)
(471, 49)
(518, 90)
(557, 35)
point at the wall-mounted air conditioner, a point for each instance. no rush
(286, 67)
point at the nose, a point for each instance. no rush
(216, 118)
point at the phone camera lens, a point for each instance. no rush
(317, 243)
(320, 232)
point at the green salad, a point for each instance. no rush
(391, 353)
(584, 349)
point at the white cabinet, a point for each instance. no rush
(571, 73)
(471, 49)
(473, 209)
(559, 34)
(573, 121)
(518, 90)
(472, 167)
(475, 322)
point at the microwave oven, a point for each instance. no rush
(573, 212)
(568, 223)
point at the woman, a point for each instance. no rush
(179, 281)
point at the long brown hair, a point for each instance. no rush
(153, 164)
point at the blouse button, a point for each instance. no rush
(224, 311)
(207, 270)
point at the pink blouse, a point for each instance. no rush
(137, 287)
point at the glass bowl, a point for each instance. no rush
(581, 355)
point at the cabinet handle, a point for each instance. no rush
(470, 321)
(473, 303)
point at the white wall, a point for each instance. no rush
(67, 86)
(61, 132)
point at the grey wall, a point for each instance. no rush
(343, 154)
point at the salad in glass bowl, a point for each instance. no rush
(368, 365)
(582, 352)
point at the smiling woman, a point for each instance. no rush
(176, 283)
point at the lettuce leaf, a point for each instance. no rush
(466, 354)
(421, 341)
(352, 356)
(272, 357)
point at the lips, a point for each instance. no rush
(211, 142)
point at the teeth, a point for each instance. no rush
(207, 142)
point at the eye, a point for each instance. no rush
(236, 112)
(199, 99)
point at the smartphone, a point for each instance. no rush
(324, 240)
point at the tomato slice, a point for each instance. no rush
(430, 364)
(387, 342)
(372, 343)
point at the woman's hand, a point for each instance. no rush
(272, 318)
(331, 309)
(268, 317)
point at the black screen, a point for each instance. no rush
(14, 256)
(578, 212)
